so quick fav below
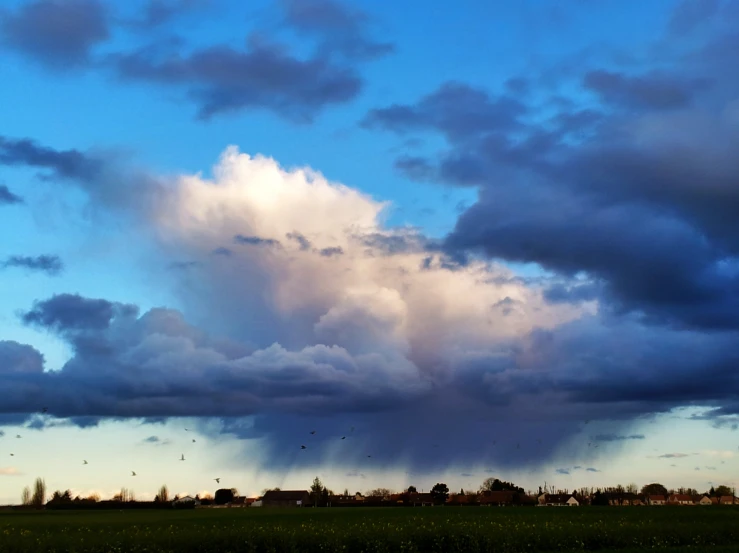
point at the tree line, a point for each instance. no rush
(321, 495)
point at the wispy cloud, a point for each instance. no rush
(562, 471)
(617, 438)
(10, 471)
(49, 264)
(7, 197)
(591, 469)
(674, 455)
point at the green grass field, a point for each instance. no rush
(439, 529)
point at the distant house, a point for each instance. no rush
(558, 500)
(185, 501)
(656, 499)
(256, 503)
(286, 498)
(497, 499)
(728, 500)
(624, 499)
(705, 500)
(680, 499)
(238, 501)
(420, 499)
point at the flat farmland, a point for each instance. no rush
(429, 529)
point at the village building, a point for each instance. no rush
(286, 498)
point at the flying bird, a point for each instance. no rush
(303, 447)
(343, 437)
(84, 462)
(368, 456)
(193, 440)
(218, 480)
(183, 457)
(17, 435)
(45, 410)
(12, 454)
(312, 432)
(133, 473)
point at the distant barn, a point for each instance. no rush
(286, 498)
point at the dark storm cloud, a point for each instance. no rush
(65, 164)
(19, 358)
(158, 365)
(49, 264)
(71, 312)
(7, 197)
(651, 91)
(591, 469)
(617, 438)
(225, 252)
(331, 252)
(668, 162)
(60, 34)
(339, 27)
(302, 241)
(222, 79)
(256, 241)
(415, 167)
(160, 12)
(689, 14)
(393, 244)
(457, 110)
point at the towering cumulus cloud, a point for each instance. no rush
(298, 306)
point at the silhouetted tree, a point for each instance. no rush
(379, 493)
(496, 485)
(163, 495)
(723, 490)
(440, 492)
(26, 496)
(654, 489)
(412, 489)
(39, 493)
(316, 489)
(223, 496)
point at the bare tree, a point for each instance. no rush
(632, 488)
(39, 493)
(124, 496)
(163, 495)
(26, 496)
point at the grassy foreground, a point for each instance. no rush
(442, 529)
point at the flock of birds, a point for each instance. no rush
(302, 447)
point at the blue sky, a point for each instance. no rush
(257, 220)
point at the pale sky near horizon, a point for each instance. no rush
(475, 240)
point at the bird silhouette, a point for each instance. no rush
(368, 456)
(84, 462)
(303, 447)
(133, 473)
(45, 410)
(218, 480)
(12, 454)
(183, 457)
(17, 435)
(343, 437)
(193, 440)
(312, 432)
(187, 430)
